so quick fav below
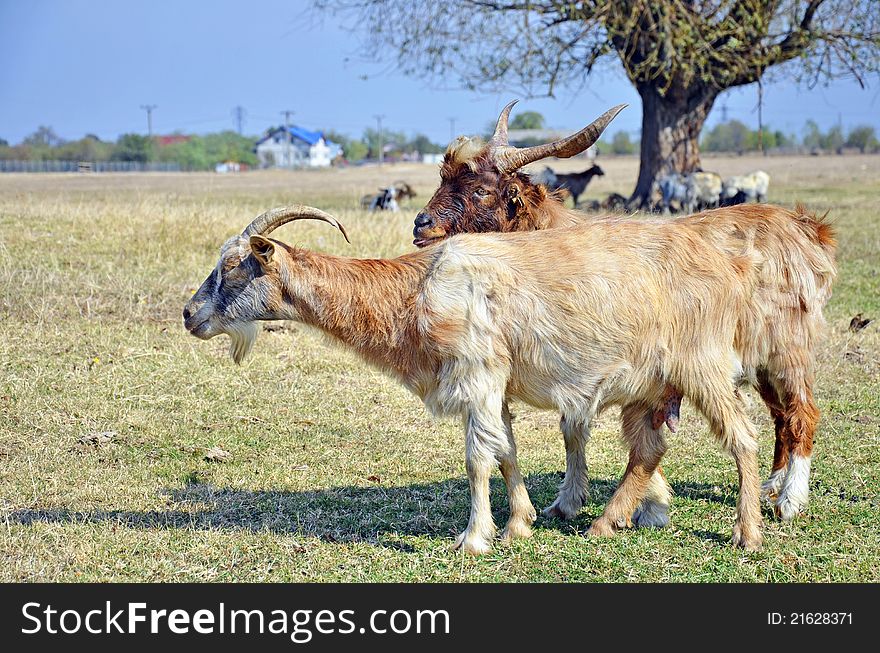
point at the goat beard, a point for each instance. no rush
(242, 337)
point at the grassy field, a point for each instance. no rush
(334, 472)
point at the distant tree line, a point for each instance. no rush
(729, 136)
(394, 144)
(735, 136)
(190, 152)
(203, 152)
(197, 152)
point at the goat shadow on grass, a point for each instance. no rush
(377, 515)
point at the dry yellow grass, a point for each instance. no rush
(335, 472)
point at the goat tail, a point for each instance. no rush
(819, 255)
(818, 228)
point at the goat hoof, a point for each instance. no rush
(532, 517)
(772, 486)
(749, 542)
(563, 508)
(786, 509)
(553, 512)
(601, 527)
(651, 514)
(469, 543)
(516, 530)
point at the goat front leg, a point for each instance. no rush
(522, 512)
(575, 489)
(486, 445)
(646, 447)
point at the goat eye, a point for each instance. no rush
(482, 192)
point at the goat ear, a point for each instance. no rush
(515, 195)
(262, 248)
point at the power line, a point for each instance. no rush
(381, 144)
(761, 117)
(149, 108)
(238, 114)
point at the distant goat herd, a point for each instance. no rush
(678, 192)
(572, 313)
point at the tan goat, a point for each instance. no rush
(558, 319)
(483, 189)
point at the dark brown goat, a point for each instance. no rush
(576, 182)
(404, 190)
(482, 189)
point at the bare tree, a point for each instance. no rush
(679, 54)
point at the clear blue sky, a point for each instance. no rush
(84, 66)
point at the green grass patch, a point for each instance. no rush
(336, 473)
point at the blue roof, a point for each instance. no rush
(305, 135)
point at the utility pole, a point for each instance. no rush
(724, 112)
(761, 117)
(451, 129)
(287, 113)
(149, 109)
(379, 134)
(238, 113)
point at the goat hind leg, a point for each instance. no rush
(574, 491)
(773, 485)
(646, 447)
(801, 417)
(653, 511)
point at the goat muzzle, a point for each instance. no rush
(426, 231)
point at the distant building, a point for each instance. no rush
(230, 166)
(295, 148)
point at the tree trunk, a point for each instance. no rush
(671, 127)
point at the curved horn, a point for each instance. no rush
(499, 138)
(508, 159)
(267, 222)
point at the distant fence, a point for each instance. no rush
(8, 165)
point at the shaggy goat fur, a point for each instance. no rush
(483, 319)
(474, 196)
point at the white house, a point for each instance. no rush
(295, 147)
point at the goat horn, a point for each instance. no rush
(508, 159)
(267, 222)
(499, 138)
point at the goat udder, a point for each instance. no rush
(668, 413)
